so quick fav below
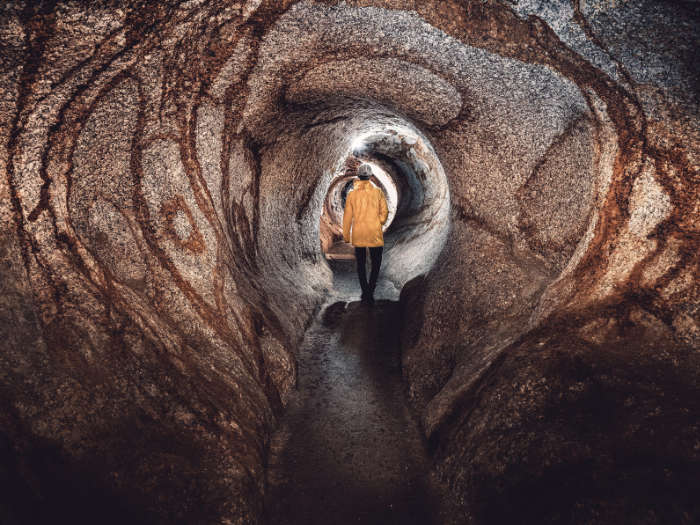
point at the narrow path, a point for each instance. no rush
(348, 450)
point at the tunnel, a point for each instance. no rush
(181, 322)
(406, 168)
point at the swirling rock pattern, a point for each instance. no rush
(164, 170)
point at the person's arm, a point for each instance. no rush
(347, 219)
(383, 212)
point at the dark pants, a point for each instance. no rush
(375, 255)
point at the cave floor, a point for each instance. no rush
(347, 449)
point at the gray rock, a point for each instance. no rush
(165, 167)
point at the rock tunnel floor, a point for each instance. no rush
(348, 450)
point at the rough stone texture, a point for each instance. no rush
(552, 357)
(164, 168)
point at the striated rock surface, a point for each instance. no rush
(552, 351)
(164, 171)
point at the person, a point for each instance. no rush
(365, 213)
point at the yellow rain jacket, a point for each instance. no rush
(365, 211)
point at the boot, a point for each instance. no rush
(370, 289)
(365, 292)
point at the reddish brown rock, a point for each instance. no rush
(164, 168)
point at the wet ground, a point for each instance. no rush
(347, 449)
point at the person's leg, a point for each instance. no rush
(376, 256)
(360, 257)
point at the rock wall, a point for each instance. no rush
(552, 352)
(146, 345)
(164, 171)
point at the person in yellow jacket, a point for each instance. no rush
(365, 213)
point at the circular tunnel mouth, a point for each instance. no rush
(405, 167)
(331, 230)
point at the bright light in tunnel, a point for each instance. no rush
(358, 144)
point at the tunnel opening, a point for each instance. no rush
(331, 239)
(406, 168)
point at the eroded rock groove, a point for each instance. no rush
(164, 171)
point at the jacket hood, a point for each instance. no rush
(360, 184)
